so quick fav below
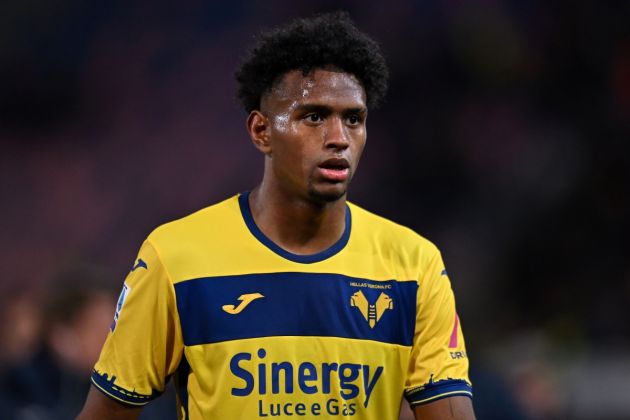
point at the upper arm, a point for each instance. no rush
(438, 366)
(453, 408)
(100, 407)
(144, 346)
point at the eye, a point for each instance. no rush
(313, 117)
(354, 119)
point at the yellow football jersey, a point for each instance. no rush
(249, 330)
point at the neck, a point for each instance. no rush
(296, 224)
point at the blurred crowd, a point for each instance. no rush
(504, 140)
(49, 343)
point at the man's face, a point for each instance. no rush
(316, 133)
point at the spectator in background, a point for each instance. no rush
(49, 382)
(20, 327)
(20, 338)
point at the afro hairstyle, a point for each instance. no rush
(329, 40)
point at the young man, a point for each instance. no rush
(287, 300)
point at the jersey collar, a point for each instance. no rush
(243, 201)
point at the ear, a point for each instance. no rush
(258, 128)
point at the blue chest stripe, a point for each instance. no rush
(216, 309)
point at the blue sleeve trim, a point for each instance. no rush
(434, 391)
(109, 388)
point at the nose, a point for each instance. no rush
(336, 136)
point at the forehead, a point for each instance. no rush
(321, 87)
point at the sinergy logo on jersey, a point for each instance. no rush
(307, 378)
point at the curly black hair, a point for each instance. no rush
(329, 40)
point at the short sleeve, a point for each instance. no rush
(144, 344)
(439, 364)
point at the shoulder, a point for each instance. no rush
(195, 245)
(391, 237)
(212, 219)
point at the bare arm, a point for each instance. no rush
(453, 408)
(99, 407)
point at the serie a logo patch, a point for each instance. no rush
(119, 306)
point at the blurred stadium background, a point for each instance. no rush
(504, 139)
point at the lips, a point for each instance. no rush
(335, 169)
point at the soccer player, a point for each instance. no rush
(289, 301)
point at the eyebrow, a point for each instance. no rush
(325, 109)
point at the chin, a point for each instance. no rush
(329, 195)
